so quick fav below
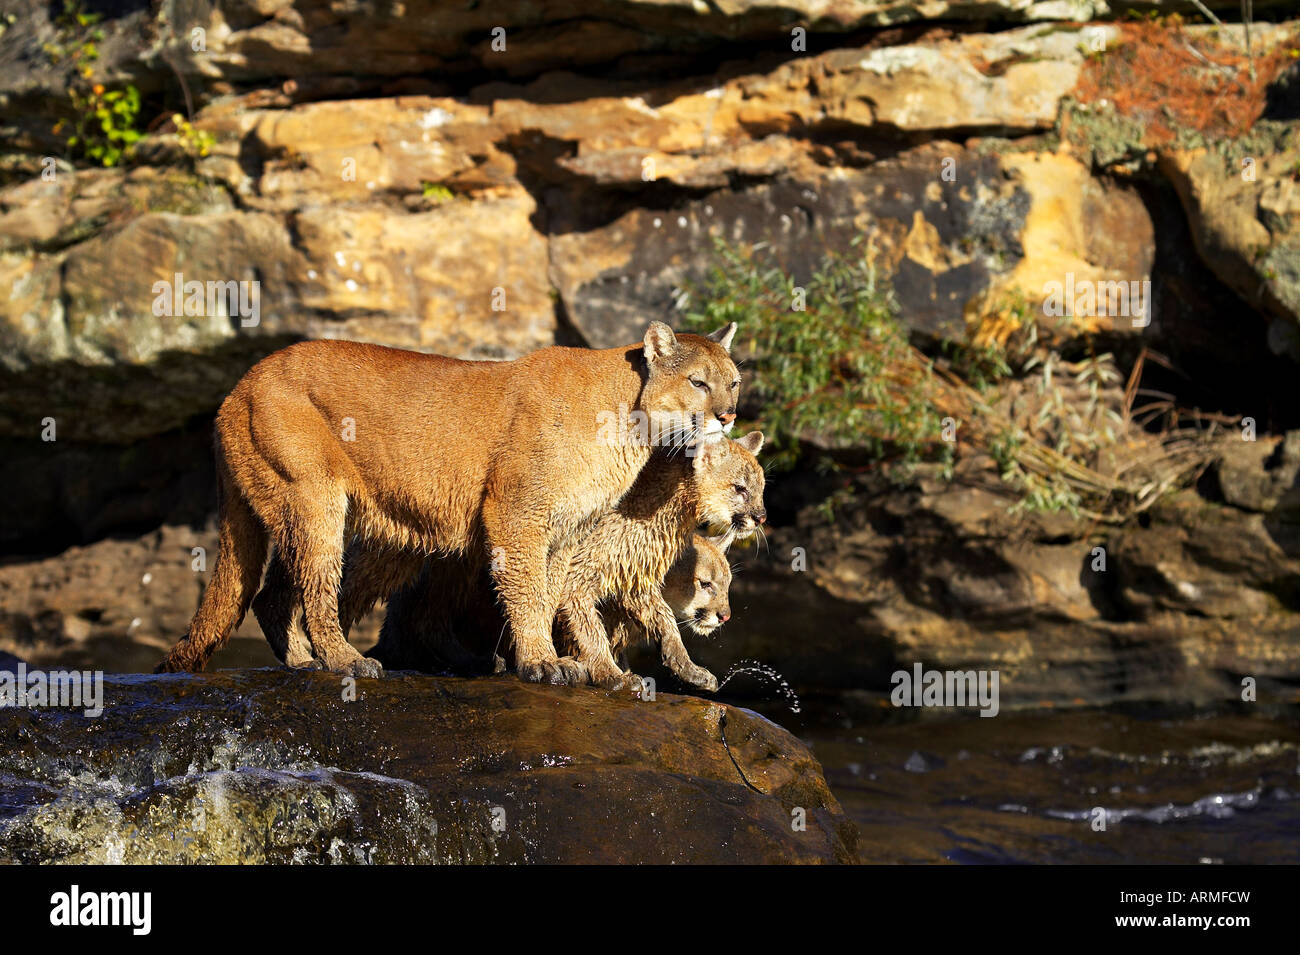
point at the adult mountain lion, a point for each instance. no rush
(427, 454)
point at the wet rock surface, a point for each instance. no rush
(275, 766)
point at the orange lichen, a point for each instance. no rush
(1154, 78)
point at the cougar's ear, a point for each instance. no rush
(723, 335)
(660, 342)
(752, 442)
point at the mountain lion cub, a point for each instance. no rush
(628, 553)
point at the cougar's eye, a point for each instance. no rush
(741, 490)
(702, 385)
(735, 384)
(706, 586)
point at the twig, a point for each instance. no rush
(185, 87)
(1247, 14)
(1208, 12)
(1226, 70)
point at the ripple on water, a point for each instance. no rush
(1171, 787)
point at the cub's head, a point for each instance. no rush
(730, 483)
(693, 385)
(696, 587)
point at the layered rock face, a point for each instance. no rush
(482, 182)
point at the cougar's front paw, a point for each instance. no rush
(562, 671)
(617, 680)
(304, 662)
(355, 665)
(632, 682)
(606, 677)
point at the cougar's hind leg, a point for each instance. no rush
(314, 554)
(278, 608)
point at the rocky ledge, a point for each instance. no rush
(279, 766)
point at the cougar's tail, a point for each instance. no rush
(235, 579)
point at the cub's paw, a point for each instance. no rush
(539, 671)
(573, 672)
(702, 678)
(616, 680)
(563, 671)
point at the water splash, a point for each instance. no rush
(754, 668)
(235, 800)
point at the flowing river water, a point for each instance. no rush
(1151, 784)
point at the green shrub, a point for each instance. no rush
(104, 129)
(831, 362)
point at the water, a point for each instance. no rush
(1170, 785)
(212, 793)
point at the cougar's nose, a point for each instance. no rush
(727, 418)
(724, 617)
(762, 517)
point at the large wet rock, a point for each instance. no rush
(276, 766)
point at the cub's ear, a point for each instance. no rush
(709, 454)
(660, 342)
(723, 335)
(752, 442)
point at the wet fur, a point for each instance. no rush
(629, 552)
